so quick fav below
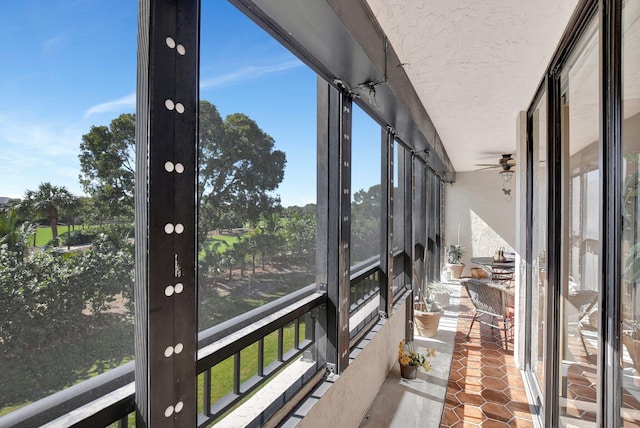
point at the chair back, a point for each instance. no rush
(488, 298)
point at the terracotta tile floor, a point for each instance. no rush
(485, 388)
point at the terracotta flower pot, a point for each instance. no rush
(456, 270)
(408, 372)
(426, 323)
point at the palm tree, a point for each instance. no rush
(9, 223)
(14, 233)
(47, 202)
(70, 208)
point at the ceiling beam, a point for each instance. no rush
(345, 45)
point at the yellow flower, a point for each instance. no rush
(408, 356)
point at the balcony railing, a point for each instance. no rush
(233, 344)
(110, 397)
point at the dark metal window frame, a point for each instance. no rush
(386, 221)
(334, 217)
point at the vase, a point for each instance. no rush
(408, 372)
(426, 323)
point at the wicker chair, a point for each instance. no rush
(493, 300)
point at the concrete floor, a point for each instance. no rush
(474, 382)
(406, 403)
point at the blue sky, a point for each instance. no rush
(70, 64)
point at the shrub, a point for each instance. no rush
(78, 237)
(43, 293)
(37, 299)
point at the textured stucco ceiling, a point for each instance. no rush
(474, 64)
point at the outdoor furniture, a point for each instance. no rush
(502, 271)
(493, 300)
(585, 302)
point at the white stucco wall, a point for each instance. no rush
(345, 404)
(521, 243)
(478, 216)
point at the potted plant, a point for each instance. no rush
(454, 257)
(426, 315)
(440, 293)
(410, 359)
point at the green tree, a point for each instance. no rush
(238, 169)
(105, 270)
(365, 226)
(309, 209)
(47, 202)
(239, 252)
(69, 210)
(14, 233)
(43, 293)
(300, 235)
(268, 237)
(211, 261)
(107, 160)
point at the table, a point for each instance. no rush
(499, 271)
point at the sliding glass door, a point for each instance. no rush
(536, 273)
(582, 361)
(580, 241)
(630, 244)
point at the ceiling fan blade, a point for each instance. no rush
(489, 164)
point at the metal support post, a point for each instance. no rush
(166, 166)
(334, 217)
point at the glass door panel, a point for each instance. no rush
(630, 356)
(580, 233)
(539, 278)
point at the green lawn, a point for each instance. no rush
(98, 346)
(230, 240)
(222, 373)
(44, 235)
(40, 374)
(105, 345)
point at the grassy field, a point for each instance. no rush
(229, 239)
(222, 374)
(23, 378)
(44, 235)
(100, 343)
(106, 344)
(106, 341)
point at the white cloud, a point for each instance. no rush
(53, 43)
(243, 74)
(36, 137)
(247, 73)
(124, 103)
(33, 150)
(17, 161)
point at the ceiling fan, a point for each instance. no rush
(507, 166)
(506, 163)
